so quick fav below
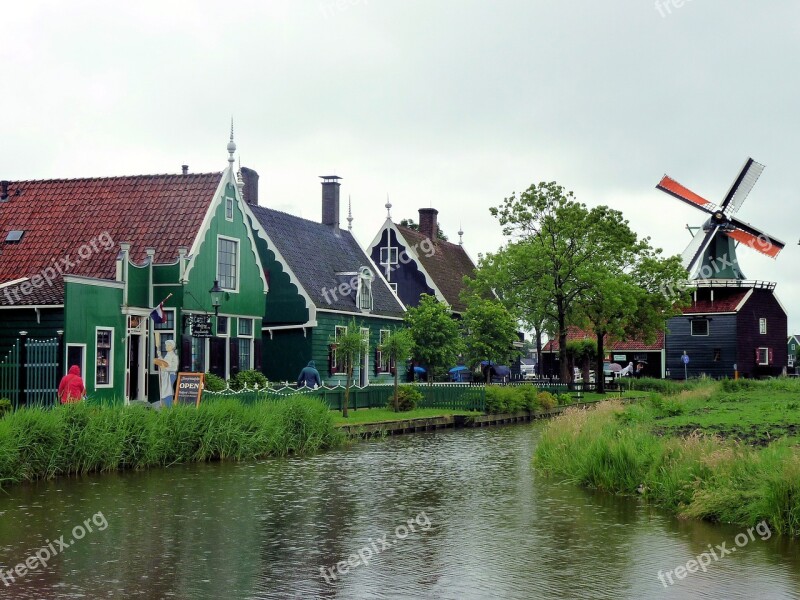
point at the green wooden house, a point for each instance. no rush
(320, 279)
(84, 263)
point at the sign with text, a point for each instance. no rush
(189, 388)
(620, 357)
(201, 326)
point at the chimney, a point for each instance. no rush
(250, 191)
(4, 189)
(184, 169)
(428, 225)
(330, 200)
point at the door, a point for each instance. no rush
(363, 378)
(134, 343)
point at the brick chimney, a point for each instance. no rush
(330, 200)
(250, 190)
(428, 225)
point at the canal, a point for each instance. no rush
(455, 514)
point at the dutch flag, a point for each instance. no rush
(158, 314)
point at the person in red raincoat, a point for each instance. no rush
(71, 388)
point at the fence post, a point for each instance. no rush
(60, 357)
(23, 358)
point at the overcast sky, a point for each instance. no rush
(449, 104)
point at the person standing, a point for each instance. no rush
(71, 388)
(309, 376)
(167, 373)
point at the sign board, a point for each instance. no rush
(620, 356)
(201, 326)
(189, 388)
(685, 359)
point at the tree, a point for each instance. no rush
(349, 347)
(411, 224)
(581, 353)
(437, 342)
(397, 348)
(489, 332)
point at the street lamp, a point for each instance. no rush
(216, 296)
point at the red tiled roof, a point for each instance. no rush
(61, 218)
(577, 334)
(725, 300)
(447, 266)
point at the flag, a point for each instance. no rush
(158, 315)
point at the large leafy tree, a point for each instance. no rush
(397, 348)
(436, 336)
(490, 332)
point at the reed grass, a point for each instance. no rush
(38, 443)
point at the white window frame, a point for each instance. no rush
(228, 329)
(791, 361)
(386, 257)
(238, 262)
(365, 279)
(206, 350)
(84, 368)
(337, 367)
(393, 287)
(228, 208)
(765, 362)
(175, 337)
(243, 336)
(762, 326)
(385, 364)
(708, 328)
(110, 364)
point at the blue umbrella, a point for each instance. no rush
(419, 370)
(458, 369)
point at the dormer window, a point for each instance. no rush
(364, 291)
(14, 236)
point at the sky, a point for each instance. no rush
(446, 104)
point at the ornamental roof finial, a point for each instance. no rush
(388, 206)
(349, 214)
(231, 146)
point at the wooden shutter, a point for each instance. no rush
(770, 355)
(758, 358)
(378, 361)
(234, 355)
(332, 359)
(257, 350)
(216, 360)
(186, 353)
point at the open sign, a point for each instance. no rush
(189, 388)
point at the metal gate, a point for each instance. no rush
(29, 372)
(9, 375)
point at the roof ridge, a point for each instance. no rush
(75, 179)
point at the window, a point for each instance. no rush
(393, 287)
(384, 364)
(388, 256)
(337, 365)
(699, 326)
(222, 326)
(791, 360)
(229, 209)
(103, 373)
(762, 356)
(762, 326)
(228, 263)
(717, 354)
(364, 292)
(199, 363)
(245, 344)
(794, 347)
(14, 236)
(166, 332)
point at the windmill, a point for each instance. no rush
(712, 252)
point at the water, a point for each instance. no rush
(484, 526)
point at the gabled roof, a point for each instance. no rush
(83, 221)
(630, 345)
(795, 337)
(320, 257)
(725, 301)
(447, 266)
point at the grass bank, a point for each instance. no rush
(380, 415)
(40, 444)
(686, 452)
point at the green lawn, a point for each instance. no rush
(377, 415)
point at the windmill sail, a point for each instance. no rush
(673, 188)
(741, 187)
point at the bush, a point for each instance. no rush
(738, 385)
(511, 399)
(213, 383)
(408, 397)
(250, 379)
(5, 407)
(546, 400)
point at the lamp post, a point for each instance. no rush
(216, 297)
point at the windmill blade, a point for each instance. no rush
(741, 186)
(746, 234)
(673, 188)
(696, 247)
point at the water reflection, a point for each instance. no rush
(264, 531)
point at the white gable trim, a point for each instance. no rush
(371, 264)
(745, 299)
(410, 251)
(109, 283)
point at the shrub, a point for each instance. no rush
(546, 400)
(408, 397)
(5, 407)
(738, 385)
(250, 379)
(213, 383)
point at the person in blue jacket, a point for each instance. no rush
(309, 376)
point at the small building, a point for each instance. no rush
(792, 346)
(417, 262)
(732, 327)
(320, 280)
(637, 351)
(85, 262)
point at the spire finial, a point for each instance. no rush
(388, 206)
(231, 146)
(460, 234)
(239, 178)
(349, 214)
